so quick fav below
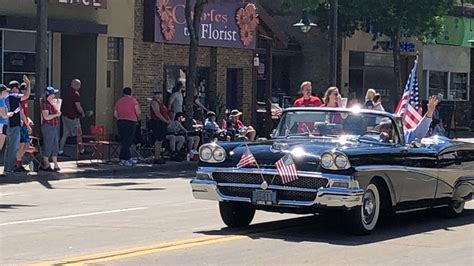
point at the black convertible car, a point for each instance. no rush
(351, 160)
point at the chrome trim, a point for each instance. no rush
(324, 197)
(210, 170)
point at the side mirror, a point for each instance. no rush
(273, 134)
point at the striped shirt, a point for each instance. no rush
(47, 106)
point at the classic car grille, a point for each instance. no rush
(281, 194)
(249, 178)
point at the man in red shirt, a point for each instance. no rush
(307, 100)
(72, 113)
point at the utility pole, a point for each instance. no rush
(333, 54)
(41, 46)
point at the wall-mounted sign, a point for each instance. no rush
(90, 3)
(223, 24)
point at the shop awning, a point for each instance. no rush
(268, 28)
(54, 25)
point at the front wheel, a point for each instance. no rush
(236, 214)
(362, 220)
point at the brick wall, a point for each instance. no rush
(151, 58)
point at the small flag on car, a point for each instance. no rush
(246, 159)
(286, 168)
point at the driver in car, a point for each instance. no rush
(418, 132)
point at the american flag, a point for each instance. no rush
(409, 106)
(286, 169)
(246, 159)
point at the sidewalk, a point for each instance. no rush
(70, 169)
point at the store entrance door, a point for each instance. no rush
(79, 60)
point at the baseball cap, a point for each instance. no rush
(23, 86)
(50, 90)
(157, 90)
(12, 84)
(3, 88)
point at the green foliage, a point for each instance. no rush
(422, 18)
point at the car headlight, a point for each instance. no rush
(334, 161)
(205, 153)
(327, 160)
(212, 153)
(341, 161)
(218, 154)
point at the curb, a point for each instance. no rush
(111, 171)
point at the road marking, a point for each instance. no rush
(142, 251)
(73, 216)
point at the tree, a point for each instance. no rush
(193, 21)
(422, 18)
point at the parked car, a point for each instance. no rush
(351, 160)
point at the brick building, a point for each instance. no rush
(225, 74)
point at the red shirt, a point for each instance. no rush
(163, 111)
(45, 105)
(125, 108)
(24, 107)
(69, 104)
(238, 124)
(313, 101)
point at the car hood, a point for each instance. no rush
(305, 152)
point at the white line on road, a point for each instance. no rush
(73, 216)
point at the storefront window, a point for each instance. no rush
(458, 87)
(18, 54)
(113, 48)
(438, 84)
(175, 74)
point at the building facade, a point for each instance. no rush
(88, 40)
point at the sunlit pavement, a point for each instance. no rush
(153, 219)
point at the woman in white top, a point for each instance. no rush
(377, 100)
(175, 103)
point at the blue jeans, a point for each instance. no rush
(13, 144)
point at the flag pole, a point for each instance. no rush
(264, 184)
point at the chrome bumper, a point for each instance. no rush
(204, 187)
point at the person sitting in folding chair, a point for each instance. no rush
(176, 137)
(211, 127)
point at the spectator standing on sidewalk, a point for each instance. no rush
(50, 124)
(175, 103)
(127, 112)
(307, 100)
(14, 122)
(72, 113)
(25, 131)
(159, 122)
(4, 114)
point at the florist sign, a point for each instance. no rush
(223, 24)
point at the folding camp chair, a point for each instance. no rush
(33, 154)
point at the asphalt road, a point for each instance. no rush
(151, 221)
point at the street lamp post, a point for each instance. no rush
(305, 25)
(333, 73)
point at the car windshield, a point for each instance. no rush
(322, 123)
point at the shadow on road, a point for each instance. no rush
(121, 184)
(15, 206)
(331, 229)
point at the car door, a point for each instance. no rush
(420, 179)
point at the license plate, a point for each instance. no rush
(264, 197)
